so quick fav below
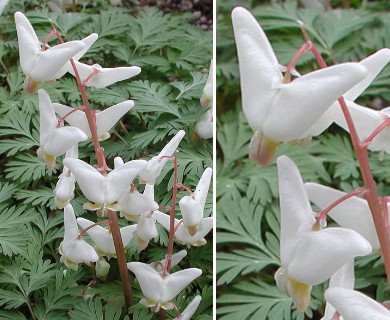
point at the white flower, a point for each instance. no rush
(204, 127)
(192, 206)
(343, 278)
(134, 203)
(104, 190)
(64, 191)
(102, 237)
(36, 64)
(278, 111)
(155, 165)
(103, 77)
(54, 140)
(309, 255)
(159, 291)
(74, 250)
(207, 98)
(353, 213)
(175, 260)
(182, 236)
(353, 305)
(105, 119)
(190, 310)
(146, 230)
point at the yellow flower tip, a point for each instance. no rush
(104, 136)
(192, 230)
(141, 244)
(199, 243)
(299, 293)
(47, 158)
(205, 101)
(30, 85)
(114, 207)
(61, 204)
(92, 206)
(262, 149)
(130, 217)
(70, 264)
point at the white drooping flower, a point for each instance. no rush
(309, 255)
(36, 64)
(353, 213)
(204, 126)
(104, 190)
(72, 249)
(102, 269)
(353, 305)
(190, 310)
(192, 206)
(277, 111)
(105, 119)
(146, 230)
(155, 165)
(159, 291)
(181, 235)
(103, 239)
(54, 140)
(175, 260)
(134, 203)
(64, 190)
(98, 77)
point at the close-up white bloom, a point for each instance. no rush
(309, 255)
(146, 230)
(155, 165)
(134, 203)
(277, 111)
(72, 249)
(36, 64)
(192, 207)
(353, 213)
(175, 260)
(159, 291)
(64, 190)
(182, 235)
(353, 305)
(204, 126)
(104, 190)
(54, 140)
(105, 119)
(102, 237)
(189, 311)
(103, 77)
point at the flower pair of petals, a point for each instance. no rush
(277, 111)
(159, 291)
(192, 207)
(101, 189)
(105, 119)
(308, 256)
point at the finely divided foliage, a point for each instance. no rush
(256, 235)
(42, 275)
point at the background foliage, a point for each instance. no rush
(174, 55)
(247, 194)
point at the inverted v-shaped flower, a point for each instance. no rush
(182, 235)
(155, 165)
(277, 111)
(105, 119)
(309, 255)
(353, 305)
(72, 249)
(192, 206)
(159, 291)
(353, 213)
(103, 77)
(102, 237)
(101, 189)
(54, 140)
(36, 64)
(146, 230)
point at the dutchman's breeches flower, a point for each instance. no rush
(146, 230)
(104, 190)
(155, 165)
(36, 64)
(159, 291)
(190, 310)
(74, 250)
(175, 260)
(54, 140)
(309, 255)
(277, 111)
(192, 206)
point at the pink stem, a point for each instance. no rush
(287, 76)
(82, 232)
(377, 131)
(179, 185)
(62, 119)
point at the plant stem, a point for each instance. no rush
(371, 195)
